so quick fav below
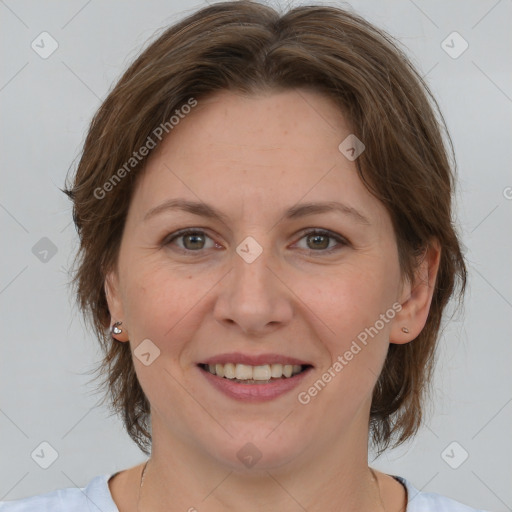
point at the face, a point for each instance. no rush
(258, 287)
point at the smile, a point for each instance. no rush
(253, 383)
(248, 374)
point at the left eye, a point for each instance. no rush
(196, 240)
(320, 240)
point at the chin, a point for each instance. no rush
(258, 451)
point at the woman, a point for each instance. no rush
(264, 205)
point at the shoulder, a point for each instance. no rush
(418, 501)
(95, 496)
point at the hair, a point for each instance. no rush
(250, 48)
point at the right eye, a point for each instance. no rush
(193, 239)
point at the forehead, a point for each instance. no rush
(269, 149)
(260, 126)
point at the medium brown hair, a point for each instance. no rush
(248, 47)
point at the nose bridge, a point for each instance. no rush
(252, 296)
(251, 262)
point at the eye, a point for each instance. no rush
(194, 239)
(319, 240)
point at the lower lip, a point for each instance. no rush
(255, 392)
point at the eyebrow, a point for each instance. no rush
(294, 212)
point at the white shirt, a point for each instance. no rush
(96, 497)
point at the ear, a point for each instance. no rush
(115, 305)
(416, 297)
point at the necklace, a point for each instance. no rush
(146, 465)
(141, 482)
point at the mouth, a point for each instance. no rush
(254, 374)
(254, 378)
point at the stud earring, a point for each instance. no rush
(404, 329)
(116, 329)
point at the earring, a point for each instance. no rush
(404, 329)
(116, 329)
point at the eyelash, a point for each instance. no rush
(319, 232)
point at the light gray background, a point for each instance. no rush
(46, 105)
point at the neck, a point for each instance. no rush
(334, 477)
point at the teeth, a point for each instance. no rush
(229, 371)
(276, 370)
(243, 372)
(219, 370)
(261, 372)
(246, 372)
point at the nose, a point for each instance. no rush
(254, 297)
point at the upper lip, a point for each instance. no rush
(253, 360)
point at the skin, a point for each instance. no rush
(252, 157)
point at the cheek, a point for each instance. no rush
(152, 298)
(163, 303)
(353, 313)
(162, 306)
(354, 339)
(351, 298)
